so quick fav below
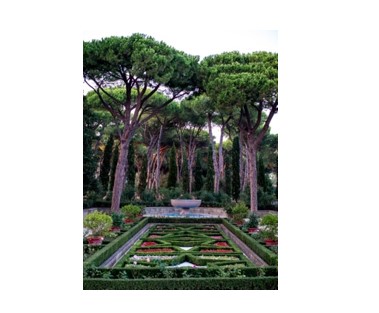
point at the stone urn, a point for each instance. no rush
(185, 203)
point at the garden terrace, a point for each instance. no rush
(152, 249)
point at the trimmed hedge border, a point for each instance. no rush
(256, 283)
(141, 273)
(268, 256)
(105, 253)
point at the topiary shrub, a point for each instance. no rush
(270, 223)
(253, 221)
(130, 211)
(118, 219)
(99, 223)
(239, 212)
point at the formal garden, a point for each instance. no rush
(160, 126)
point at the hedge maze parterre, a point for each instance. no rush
(170, 245)
(155, 260)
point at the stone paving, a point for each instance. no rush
(125, 248)
(244, 248)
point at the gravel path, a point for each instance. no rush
(244, 248)
(125, 248)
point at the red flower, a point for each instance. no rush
(148, 244)
(221, 244)
(155, 250)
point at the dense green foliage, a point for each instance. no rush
(228, 174)
(262, 179)
(89, 156)
(143, 175)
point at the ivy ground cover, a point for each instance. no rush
(195, 245)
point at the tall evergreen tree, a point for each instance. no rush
(171, 181)
(114, 164)
(89, 157)
(236, 169)
(198, 169)
(106, 163)
(228, 174)
(143, 175)
(185, 173)
(131, 167)
(209, 180)
(262, 179)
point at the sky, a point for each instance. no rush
(204, 43)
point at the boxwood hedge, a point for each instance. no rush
(256, 283)
(103, 254)
(268, 256)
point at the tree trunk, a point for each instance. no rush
(180, 164)
(241, 161)
(120, 174)
(220, 156)
(252, 152)
(191, 158)
(246, 169)
(214, 157)
(158, 169)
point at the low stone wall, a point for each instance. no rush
(216, 212)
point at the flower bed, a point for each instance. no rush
(171, 238)
(148, 244)
(222, 244)
(216, 251)
(155, 250)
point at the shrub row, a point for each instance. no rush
(257, 283)
(156, 272)
(103, 254)
(268, 256)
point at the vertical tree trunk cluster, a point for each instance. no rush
(121, 169)
(216, 169)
